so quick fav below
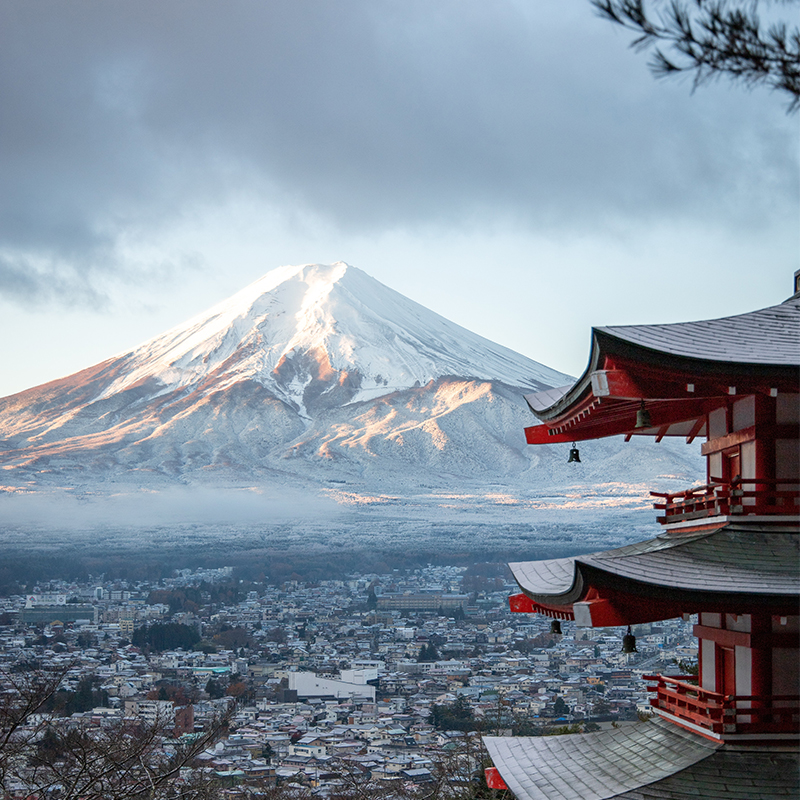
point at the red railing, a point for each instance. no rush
(725, 714)
(739, 497)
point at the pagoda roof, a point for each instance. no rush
(767, 336)
(684, 369)
(735, 560)
(647, 761)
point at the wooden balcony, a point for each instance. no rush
(740, 497)
(719, 714)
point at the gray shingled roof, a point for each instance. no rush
(730, 775)
(651, 761)
(552, 576)
(768, 336)
(547, 398)
(595, 766)
(735, 558)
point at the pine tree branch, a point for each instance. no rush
(712, 39)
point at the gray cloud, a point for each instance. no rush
(25, 283)
(117, 119)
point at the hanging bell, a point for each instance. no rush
(555, 626)
(574, 455)
(643, 418)
(629, 642)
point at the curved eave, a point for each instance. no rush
(755, 348)
(570, 395)
(744, 564)
(602, 417)
(555, 582)
(567, 402)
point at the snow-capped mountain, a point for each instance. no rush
(315, 373)
(318, 336)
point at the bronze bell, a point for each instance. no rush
(629, 642)
(574, 455)
(555, 626)
(643, 418)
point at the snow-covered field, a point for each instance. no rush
(439, 530)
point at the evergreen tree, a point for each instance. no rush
(455, 716)
(560, 708)
(428, 653)
(83, 699)
(712, 39)
(167, 636)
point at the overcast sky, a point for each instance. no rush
(510, 164)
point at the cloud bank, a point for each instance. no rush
(122, 121)
(140, 509)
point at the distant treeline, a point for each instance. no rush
(20, 572)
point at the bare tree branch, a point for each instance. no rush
(125, 760)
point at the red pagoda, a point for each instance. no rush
(726, 551)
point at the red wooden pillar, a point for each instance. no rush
(765, 442)
(725, 669)
(761, 657)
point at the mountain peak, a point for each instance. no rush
(312, 373)
(298, 326)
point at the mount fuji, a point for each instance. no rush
(315, 377)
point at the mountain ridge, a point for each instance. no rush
(314, 373)
(306, 319)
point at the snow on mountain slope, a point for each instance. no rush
(330, 324)
(311, 374)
